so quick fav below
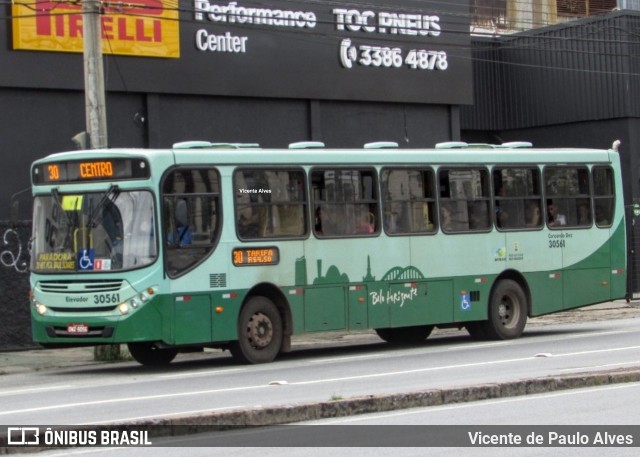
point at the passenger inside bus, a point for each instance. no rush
(248, 222)
(554, 217)
(584, 216)
(446, 221)
(367, 223)
(534, 219)
(601, 216)
(318, 220)
(183, 231)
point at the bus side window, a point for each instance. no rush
(464, 199)
(270, 203)
(567, 190)
(182, 223)
(191, 206)
(517, 198)
(346, 202)
(603, 196)
(408, 200)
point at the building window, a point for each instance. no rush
(489, 13)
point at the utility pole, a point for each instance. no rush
(95, 110)
(95, 107)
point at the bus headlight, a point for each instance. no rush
(123, 308)
(41, 309)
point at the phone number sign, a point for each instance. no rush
(384, 50)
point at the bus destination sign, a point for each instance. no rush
(255, 256)
(90, 170)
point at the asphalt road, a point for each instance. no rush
(127, 392)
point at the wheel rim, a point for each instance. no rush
(260, 330)
(509, 311)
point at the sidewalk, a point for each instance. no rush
(43, 359)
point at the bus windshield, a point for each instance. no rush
(93, 231)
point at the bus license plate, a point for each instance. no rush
(77, 328)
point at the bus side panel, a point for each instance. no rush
(586, 279)
(470, 298)
(425, 302)
(546, 292)
(619, 262)
(192, 318)
(600, 277)
(538, 255)
(324, 308)
(379, 313)
(409, 303)
(357, 307)
(224, 318)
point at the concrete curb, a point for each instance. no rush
(284, 414)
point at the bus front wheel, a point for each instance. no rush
(259, 332)
(151, 355)
(507, 311)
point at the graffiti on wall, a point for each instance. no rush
(15, 254)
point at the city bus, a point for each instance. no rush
(231, 246)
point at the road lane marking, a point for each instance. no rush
(211, 372)
(130, 399)
(608, 365)
(33, 390)
(450, 367)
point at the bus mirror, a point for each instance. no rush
(15, 206)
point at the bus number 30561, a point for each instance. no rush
(106, 298)
(556, 243)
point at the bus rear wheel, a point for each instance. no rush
(259, 332)
(507, 311)
(405, 335)
(151, 355)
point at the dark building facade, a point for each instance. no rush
(570, 85)
(277, 72)
(269, 72)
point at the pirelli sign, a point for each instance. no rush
(136, 27)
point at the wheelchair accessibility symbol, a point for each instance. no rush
(85, 259)
(465, 302)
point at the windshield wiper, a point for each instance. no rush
(58, 202)
(96, 216)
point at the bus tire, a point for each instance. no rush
(405, 335)
(259, 332)
(476, 330)
(507, 311)
(151, 355)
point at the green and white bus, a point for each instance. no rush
(236, 247)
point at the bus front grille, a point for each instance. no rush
(77, 287)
